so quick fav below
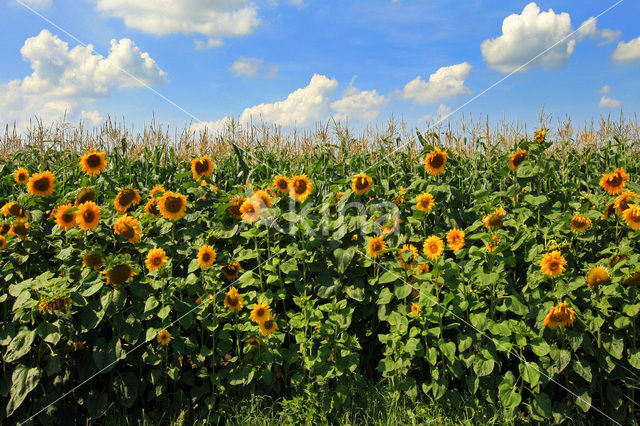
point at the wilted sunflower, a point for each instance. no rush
(413, 255)
(233, 300)
(93, 163)
(580, 224)
(155, 259)
(201, 167)
(265, 197)
(156, 190)
(118, 275)
(632, 217)
(425, 202)
(164, 337)
(250, 209)
(21, 176)
(494, 220)
(435, 161)
(433, 247)
(172, 205)
(516, 158)
(127, 197)
(361, 183)
(3, 242)
(415, 309)
(65, 219)
(614, 182)
(540, 136)
(633, 279)
(560, 316)
(92, 260)
(152, 207)
(85, 194)
(375, 245)
(128, 227)
(553, 264)
(260, 313)
(234, 208)
(300, 187)
(41, 184)
(455, 238)
(597, 276)
(88, 215)
(268, 326)
(281, 183)
(206, 257)
(19, 229)
(231, 272)
(624, 201)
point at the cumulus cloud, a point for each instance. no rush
(247, 67)
(445, 83)
(92, 117)
(606, 102)
(64, 79)
(212, 127)
(359, 104)
(208, 44)
(215, 19)
(301, 107)
(604, 89)
(627, 51)
(589, 29)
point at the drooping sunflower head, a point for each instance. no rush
(516, 158)
(127, 197)
(614, 182)
(361, 183)
(433, 247)
(128, 227)
(407, 260)
(494, 220)
(553, 264)
(264, 197)
(21, 176)
(92, 260)
(624, 201)
(172, 205)
(164, 337)
(597, 276)
(580, 224)
(435, 161)
(300, 187)
(85, 194)
(375, 246)
(260, 313)
(201, 167)
(560, 316)
(281, 183)
(19, 229)
(250, 210)
(234, 208)
(540, 136)
(206, 257)
(41, 184)
(233, 300)
(156, 258)
(64, 218)
(93, 163)
(455, 238)
(632, 217)
(231, 272)
(118, 275)
(633, 279)
(425, 202)
(88, 215)
(152, 207)
(156, 190)
(268, 326)
(415, 309)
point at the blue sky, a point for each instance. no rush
(257, 60)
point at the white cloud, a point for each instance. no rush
(443, 112)
(359, 104)
(93, 117)
(247, 67)
(212, 127)
(445, 83)
(64, 79)
(606, 102)
(37, 4)
(604, 89)
(627, 51)
(211, 42)
(589, 28)
(301, 107)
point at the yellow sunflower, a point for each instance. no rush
(172, 205)
(580, 224)
(260, 313)
(516, 158)
(250, 209)
(201, 167)
(400, 198)
(281, 183)
(164, 337)
(407, 248)
(13, 208)
(41, 184)
(435, 161)
(156, 258)
(624, 201)
(128, 227)
(118, 275)
(494, 220)
(361, 183)
(433, 247)
(268, 326)
(85, 194)
(553, 264)
(65, 219)
(375, 245)
(455, 238)
(19, 229)
(92, 260)
(263, 195)
(21, 176)
(93, 163)
(614, 182)
(597, 276)
(3, 242)
(4, 228)
(157, 190)
(126, 198)
(300, 187)
(152, 207)
(540, 136)
(415, 309)
(425, 202)
(88, 215)
(234, 208)
(632, 217)
(231, 272)
(233, 300)
(560, 316)
(206, 257)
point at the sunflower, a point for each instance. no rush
(425, 202)
(263, 195)
(152, 207)
(127, 197)
(613, 261)
(88, 215)
(92, 260)
(85, 194)
(231, 272)
(4, 228)
(624, 201)
(614, 182)
(375, 245)
(435, 161)
(553, 264)
(206, 257)
(300, 187)
(400, 198)
(608, 211)
(119, 274)
(633, 279)
(93, 163)
(580, 224)
(21, 176)
(6, 208)
(128, 227)
(155, 259)
(253, 342)
(19, 229)
(233, 300)
(3, 242)
(490, 248)
(41, 184)
(12, 208)
(234, 208)
(516, 158)
(250, 209)
(164, 337)
(172, 205)
(560, 316)
(433, 247)
(65, 219)
(281, 183)
(361, 183)
(407, 248)
(157, 190)
(415, 309)
(632, 217)
(260, 313)
(268, 326)
(201, 167)
(455, 238)
(494, 220)
(540, 136)
(387, 230)
(597, 276)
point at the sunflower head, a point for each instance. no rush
(597, 276)
(233, 300)
(560, 316)
(425, 202)
(41, 184)
(206, 257)
(21, 176)
(300, 187)
(250, 210)
(633, 279)
(580, 224)
(164, 337)
(415, 309)
(613, 261)
(264, 197)
(608, 211)
(375, 246)
(435, 161)
(234, 208)
(4, 228)
(433, 247)
(156, 190)
(553, 264)
(128, 227)
(92, 260)
(614, 182)
(118, 275)
(231, 272)
(19, 229)
(281, 183)
(172, 205)
(624, 201)
(88, 215)
(201, 167)
(152, 207)
(64, 218)
(494, 220)
(361, 183)
(516, 158)
(85, 194)
(155, 259)
(407, 260)
(14, 209)
(260, 313)
(632, 217)
(268, 326)
(455, 238)
(127, 197)
(93, 163)
(540, 136)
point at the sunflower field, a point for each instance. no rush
(146, 279)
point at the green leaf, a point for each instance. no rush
(540, 347)
(509, 395)
(343, 258)
(402, 291)
(384, 297)
(388, 277)
(126, 389)
(634, 358)
(530, 373)
(542, 405)
(23, 381)
(583, 400)
(20, 345)
(483, 367)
